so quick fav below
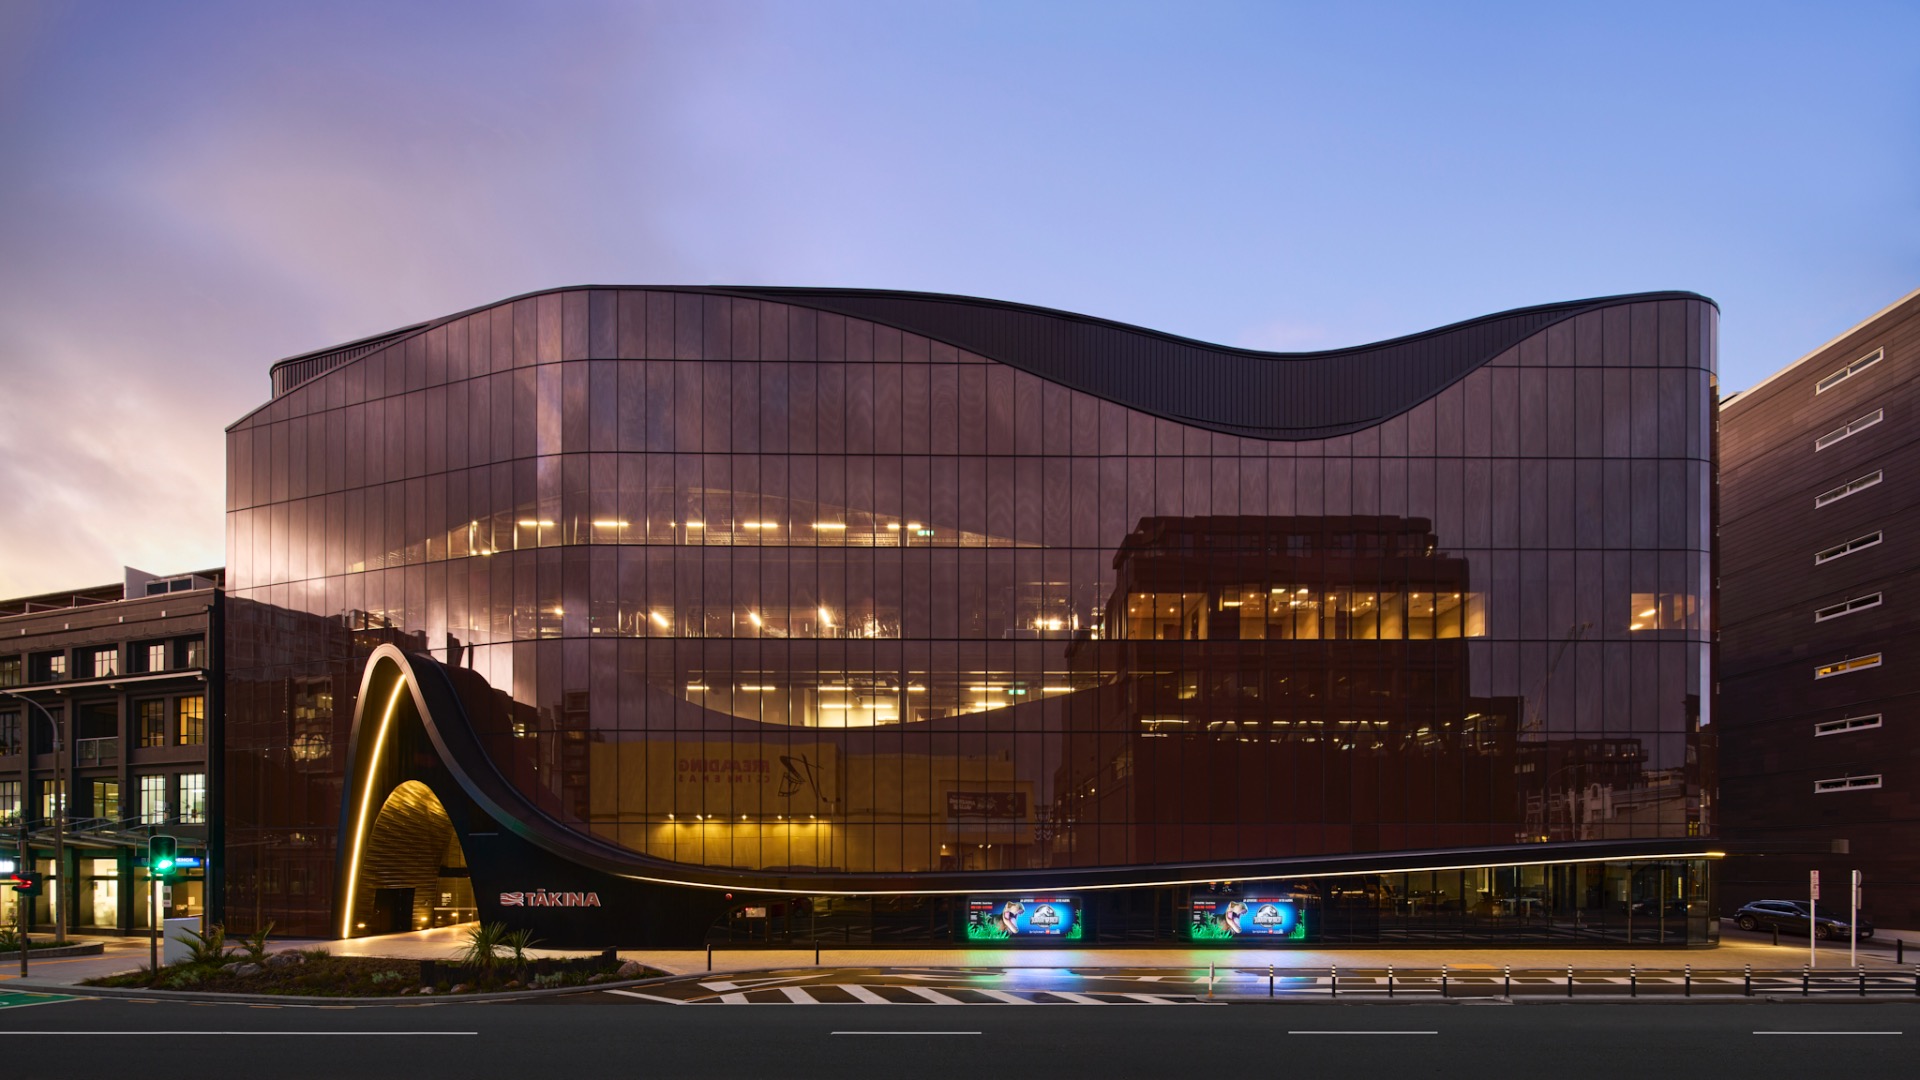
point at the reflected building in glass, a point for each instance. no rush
(658, 616)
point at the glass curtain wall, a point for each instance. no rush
(759, 586)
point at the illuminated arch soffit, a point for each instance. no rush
(364, 812)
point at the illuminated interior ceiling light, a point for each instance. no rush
(696, 688)
(754, 618)
(696, 524)
(658, 619)
(609, 523)
(366, 804)
(1635, 626)
(914, 525)
(1229, 603)
(876, 705)
(530, 523)
(1056, 689)
(1647, 614)
(893, 526)
(759, 524)
(753, 688)
(916, 688)
(826, 617)
(835, 705)
(830, 526)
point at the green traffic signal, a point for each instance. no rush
(163, 854)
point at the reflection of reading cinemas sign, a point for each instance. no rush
(543, 898)
(987, 804)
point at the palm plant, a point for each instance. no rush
(482, 950)
(206, 948)
(518, 942)
(256, 946)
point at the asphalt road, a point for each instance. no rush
(80, 1040)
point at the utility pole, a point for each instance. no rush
(59, 876)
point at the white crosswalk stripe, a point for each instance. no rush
(863, 995)
(799, 995)
(1002, 995)
(932, 995)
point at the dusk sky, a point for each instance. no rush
(190, 191)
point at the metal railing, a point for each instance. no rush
(96, 751)
(1565, 982)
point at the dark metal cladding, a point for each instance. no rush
(1264, 395)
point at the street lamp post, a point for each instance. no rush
(59, 820)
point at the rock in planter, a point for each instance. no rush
(632, 969)
(600, 978)
(426, 990)
(286, 960)
(241, 971)
(458, 988)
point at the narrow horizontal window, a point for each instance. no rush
(1849, 371)
(1850, 487)
(1846, 783)
(1853, 427)
(1851, 723)
(1848, 607)
(1843, 667)
(1858, 543)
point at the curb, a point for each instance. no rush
(92, 949)
(36, 986)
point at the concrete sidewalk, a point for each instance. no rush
(1736, 951)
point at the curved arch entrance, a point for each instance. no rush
(413, 871)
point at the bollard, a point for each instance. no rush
(816, 952)
(1862, 972)
(1806, 977)
(1569, 980)
(1633, 981)
(1749, 981)
(1507, 982)
(1689, 991)
(1776, 935)
(1443, 980)
(1389, 980)
(1209, 980)
(1333, 982)
(1269, 980)
(1899, 951)
(709, 958)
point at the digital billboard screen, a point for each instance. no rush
(1221, 918)
(996, 919)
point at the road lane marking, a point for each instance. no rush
(799, 996)
(647, 997)
(1829, 1033)
(355, 1034)
(1002, 995)
(863, 995)
(905, 1033)
(1363, 1032)
(1150, 999)
(1077, 999)
(932, 995)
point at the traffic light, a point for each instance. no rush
(163, 855)
(26, 882)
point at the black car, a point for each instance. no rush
(1792, 915)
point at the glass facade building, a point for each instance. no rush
(858, 604)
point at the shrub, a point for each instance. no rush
(544, 982)
(184, 978)
(9, 939)
(386, 976)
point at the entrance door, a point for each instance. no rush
(393, 910)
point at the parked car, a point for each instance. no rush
(1792, 915)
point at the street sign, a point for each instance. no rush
(1857, 894)
(6, 866)
(1813, 880)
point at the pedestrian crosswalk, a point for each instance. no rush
(893, 994)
